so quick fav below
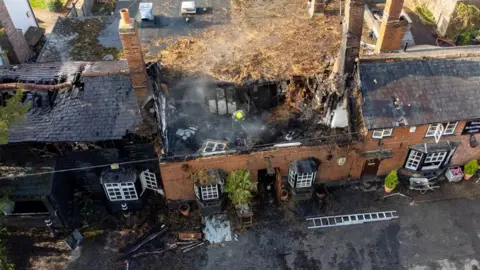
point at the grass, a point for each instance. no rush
(426, 15)
(42, 4)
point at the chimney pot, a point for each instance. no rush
(125, 16)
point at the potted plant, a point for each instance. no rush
(238, 187)
(391, 181)
(470, 169)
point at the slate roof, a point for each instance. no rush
(20, 185)
(433, 91)
(98, 107)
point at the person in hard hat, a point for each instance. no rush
(238, 115)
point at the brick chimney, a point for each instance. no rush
(132, 50)
(12, 39)
(351, 37)
(317, 8)
(392, 29)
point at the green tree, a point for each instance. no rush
(13, 112)
(5, 261)
(239, 186)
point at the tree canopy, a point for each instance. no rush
(13, 112)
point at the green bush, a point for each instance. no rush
(239, 186)
(426, 15)
(55, 5)
(471, 167)
(391, 181)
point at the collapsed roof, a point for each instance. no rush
(94, 101)
(268, 40)
(425, 91)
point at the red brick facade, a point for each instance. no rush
(402, 138)
(178, 186)
(132, 51)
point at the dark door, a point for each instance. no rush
(371, 168)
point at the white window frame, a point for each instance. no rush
(434, 158)
(215, 145)
(382, 133)
(209, 192)
(413, 160)
(121, 191)
(448, 129)
(291, 178)
(149, 181)
(305, 179)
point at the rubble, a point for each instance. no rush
(265, 40)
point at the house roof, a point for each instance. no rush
(82, 39)
(98, 104)
(21, 182)
(427, 91)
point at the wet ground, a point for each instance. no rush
(432, 232)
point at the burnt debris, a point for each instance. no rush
(205, 117)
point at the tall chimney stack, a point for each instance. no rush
(132, 50)
(351, 37)
(392, 29)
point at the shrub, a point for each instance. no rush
(239, 186)
(426, 15)
(471, 167)
(55, 5)
(391, 181)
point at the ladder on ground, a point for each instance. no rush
(343, 220)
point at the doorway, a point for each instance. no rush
(370, 168)
(266, 186)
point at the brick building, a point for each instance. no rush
(88, 115)
(405, 117)
(420, 113)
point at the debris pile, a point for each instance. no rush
(265, 40)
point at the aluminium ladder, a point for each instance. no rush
(343, 220)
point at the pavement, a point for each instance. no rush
(432, 232)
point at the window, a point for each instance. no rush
(413, 160)
(381, 133)
(434, 160)
(121, 191)
(305, 179)
(149, 181)
(29, 207)
(214, 147)
(291, 178)
(449, 129)
(209, 192)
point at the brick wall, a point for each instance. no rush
(132, 51)
(402, 138)
(178, 186)
(351, 35)
(392, 30)
(13, 40)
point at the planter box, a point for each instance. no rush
(454, 174)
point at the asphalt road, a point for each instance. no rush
(437, 235)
